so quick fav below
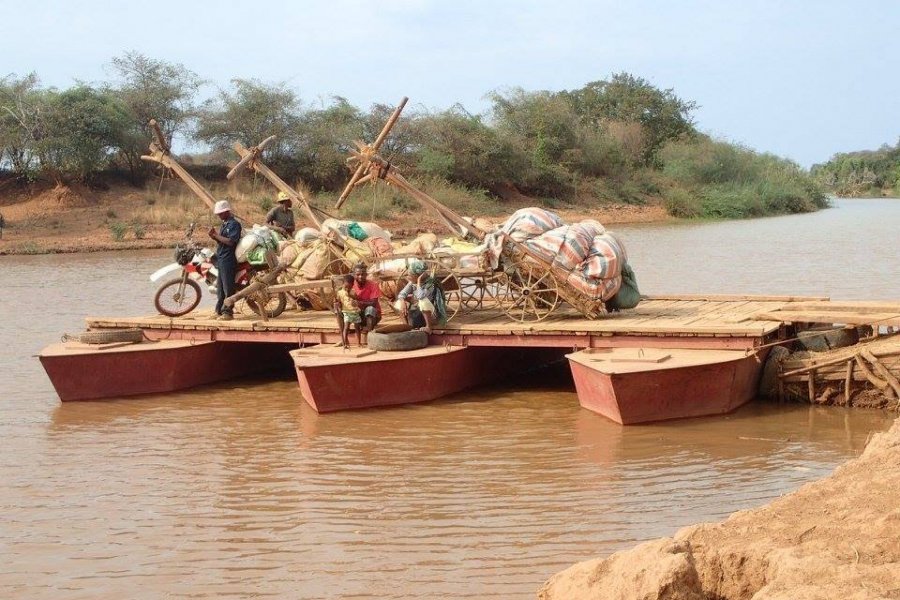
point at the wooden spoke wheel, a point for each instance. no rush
(533, 292)
(452, 294)
(338, 266)
(488, 291)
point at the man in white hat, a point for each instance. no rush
(226, 260)
(281, 217)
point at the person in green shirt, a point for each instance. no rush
(281, 217)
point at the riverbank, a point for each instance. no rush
(67, 219)
(834, 538)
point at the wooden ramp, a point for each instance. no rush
(841, 312)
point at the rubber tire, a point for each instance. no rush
(112, 336)
(272, 312)
(768, 383)
(821, 340)
(395, 342)
(174, 313)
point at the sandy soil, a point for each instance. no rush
(838, 538)
(50, 219)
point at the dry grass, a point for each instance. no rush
(172, 204)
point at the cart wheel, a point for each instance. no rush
(488, 291)
(267, 305)
(452, 294)
(533, 292)
(338, 266)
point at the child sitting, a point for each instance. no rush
(349, 311)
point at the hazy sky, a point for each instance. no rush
(800, 79)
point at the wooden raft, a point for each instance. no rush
(676, 315)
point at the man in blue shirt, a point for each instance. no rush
(226, 260)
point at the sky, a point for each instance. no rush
(803, 80)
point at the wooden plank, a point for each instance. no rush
(848, 318)
(735, 297)
(861, 307)
(718, 312)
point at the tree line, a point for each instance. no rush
(865, 172)
(619, 138)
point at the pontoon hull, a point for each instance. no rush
(332, 383)
(79, 373)
(660, 391)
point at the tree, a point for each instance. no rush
(544, 126)
(458, 146)
(625, 98)
(21, 107)
(324, 138)
(249, 113)
(80, 132)
(152, 89)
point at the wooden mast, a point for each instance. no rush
(371, 150)
(162, 154)
(371, 166)
(250, 157)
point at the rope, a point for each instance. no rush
(374, 199)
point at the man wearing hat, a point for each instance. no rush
(226, 259)
(281, 217)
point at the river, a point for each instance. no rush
(241, 490)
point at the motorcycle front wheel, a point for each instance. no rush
(177, 297)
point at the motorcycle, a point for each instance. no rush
(197, 265)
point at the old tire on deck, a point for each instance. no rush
(112, 336)
(821, 339)
(394, 342)
(768, 383)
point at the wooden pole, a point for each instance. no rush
(160, 138)
(248, 156)
(399, 181)
(367, 152)
(848, 382)
(162, 157)
(389, 125)
(882, 370)
(251, 158)
(881, 385)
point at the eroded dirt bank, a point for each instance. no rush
(838, 538)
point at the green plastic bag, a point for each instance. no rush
(628, 295)
(257, 256)
(356, 232)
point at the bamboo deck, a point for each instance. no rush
(744, 319)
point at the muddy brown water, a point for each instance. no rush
(241, 490)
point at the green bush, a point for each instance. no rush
(682, 204)
(265, 203)
(118, 230)
(140, 232)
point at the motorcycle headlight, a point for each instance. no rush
(183, 255)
